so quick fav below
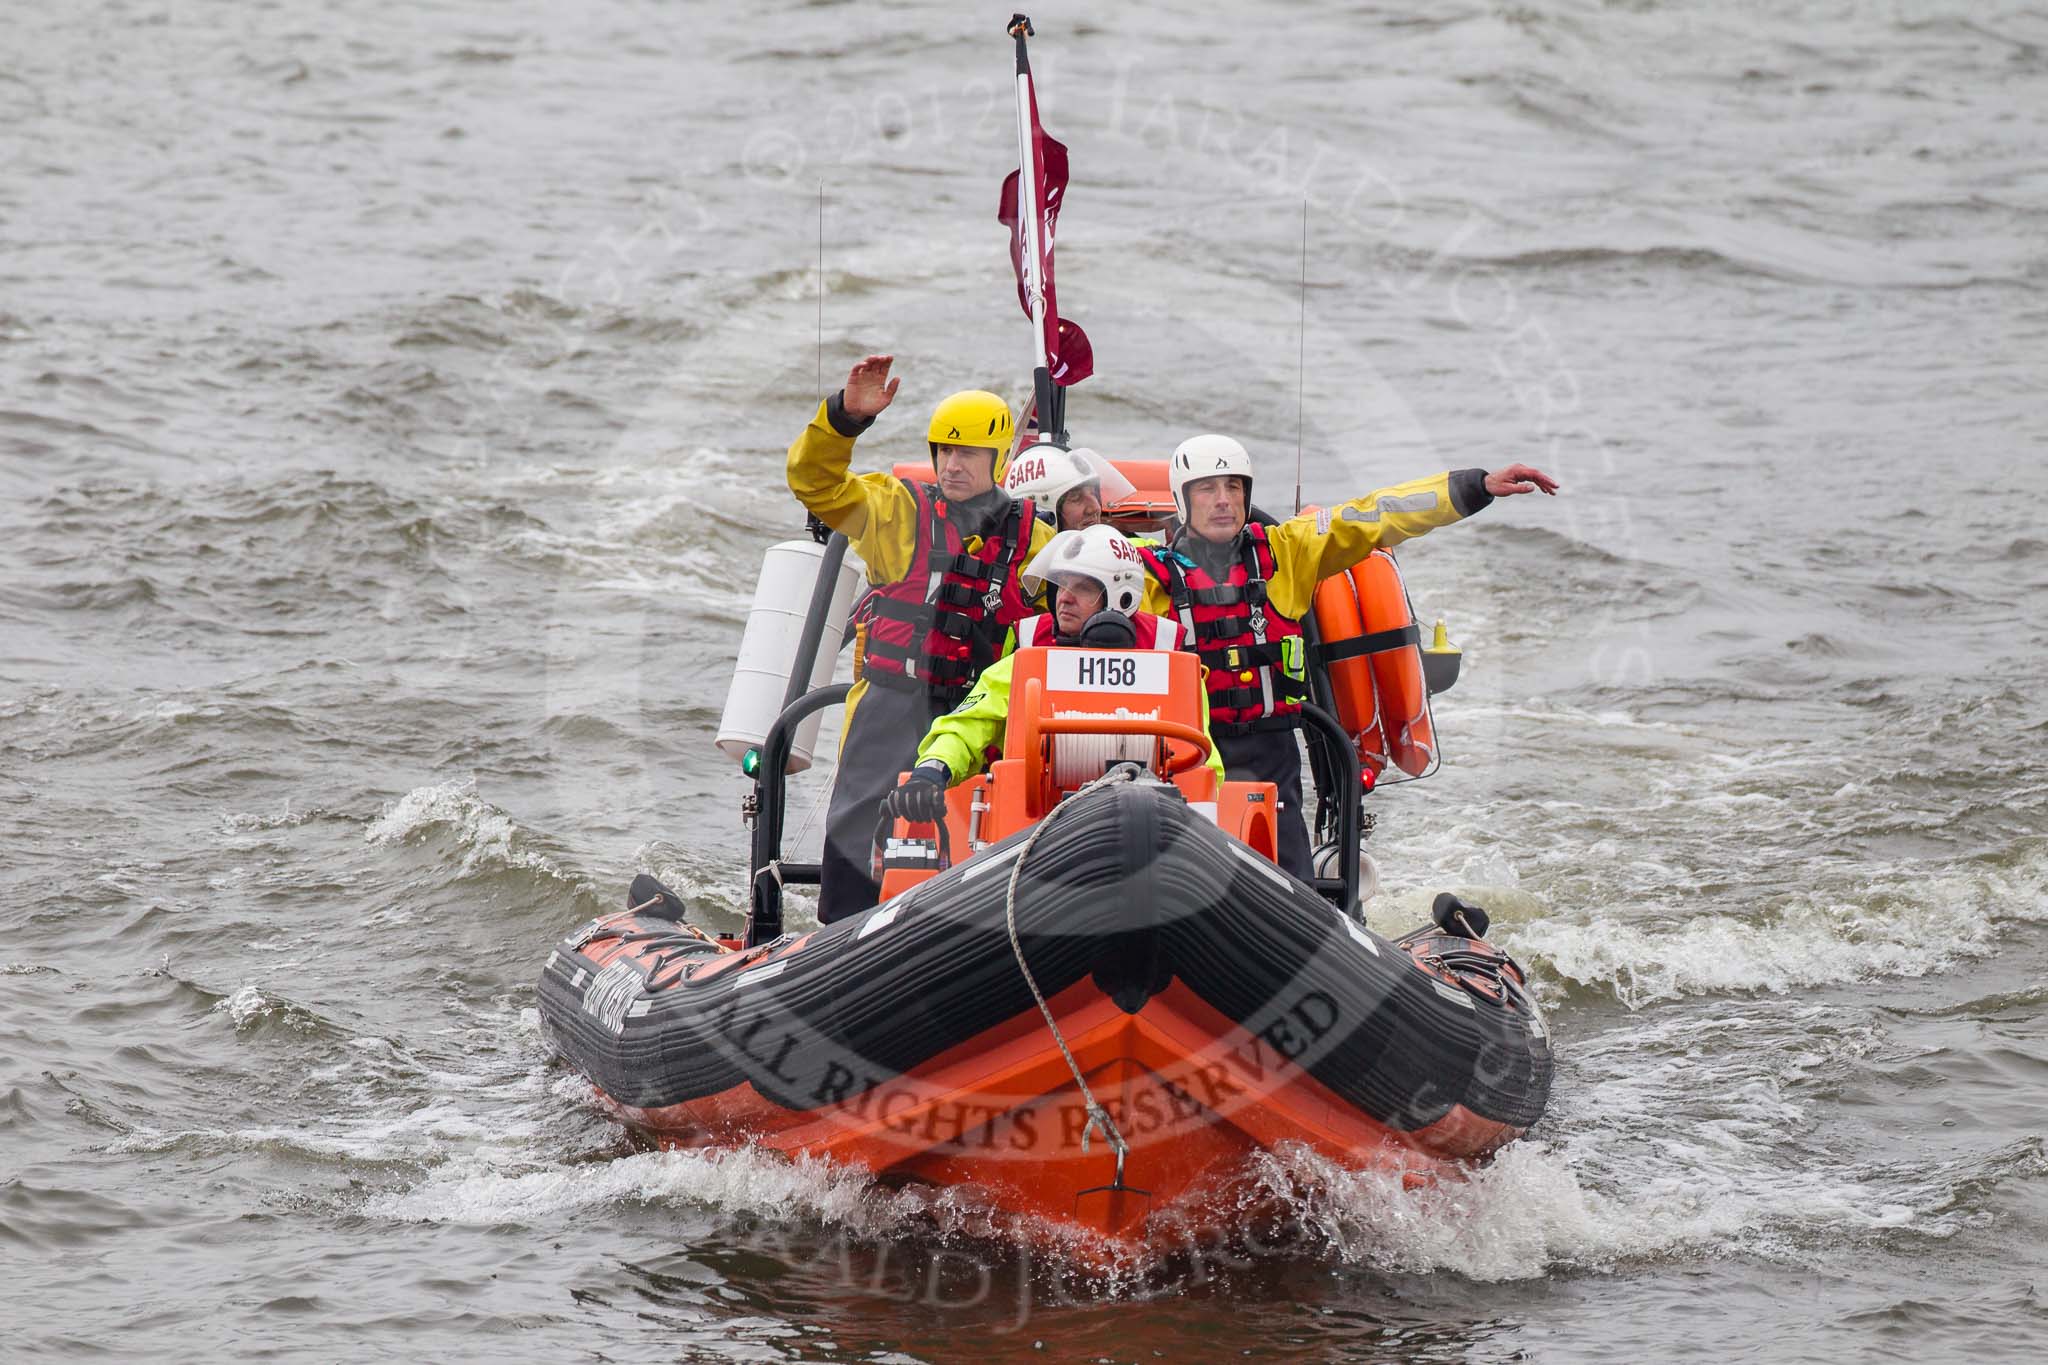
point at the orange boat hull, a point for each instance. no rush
(1215, 1008)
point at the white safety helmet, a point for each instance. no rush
(1097, 552)
(1205, 457)
(1047, 473)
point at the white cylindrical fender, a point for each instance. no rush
(782, 596)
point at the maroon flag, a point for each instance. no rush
(1067, 353)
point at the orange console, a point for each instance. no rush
(1074, 713)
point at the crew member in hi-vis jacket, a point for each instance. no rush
(1241, 588)
(945, 560)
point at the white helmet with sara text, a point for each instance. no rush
(1205, 457)
(1047, 473)
(1098, 552)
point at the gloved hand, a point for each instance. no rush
(922, 797)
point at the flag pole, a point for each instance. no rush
(1051, 401)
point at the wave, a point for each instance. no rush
(252, 1012)
(540, 327)
(25, 433)
(457, 320)
(1519, 1217)
(1567, 257)
(153, 518)
(1642, 1173)
(1902, 926)
(409, 397)
(424, 1135)
(89, 595)
(478, 56)
(1662, 1142)
(234, 823)
(1543, 541)
(1751, 246)
(364, 1100)
(1669, 1136)
(486, 835)
(301, 555)
(741, 1181)
(60, 1219)
(800, 285)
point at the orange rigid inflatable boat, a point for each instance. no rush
(1087, 998)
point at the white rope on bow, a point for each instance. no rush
(1097, 1115)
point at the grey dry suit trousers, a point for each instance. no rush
(880, 745)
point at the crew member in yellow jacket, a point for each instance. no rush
(1099, 581)
(1240, 589)
(946, 560)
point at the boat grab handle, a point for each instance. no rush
(887, 824)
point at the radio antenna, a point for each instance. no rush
(821, 291)
(1301, 358)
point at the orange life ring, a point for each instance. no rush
(1382, 696)
(1338, 618)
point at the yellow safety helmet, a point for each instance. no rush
(974, 417)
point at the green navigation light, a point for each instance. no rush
(750, 762)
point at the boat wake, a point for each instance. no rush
(731, 1183)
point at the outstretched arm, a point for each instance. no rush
(1311, 547)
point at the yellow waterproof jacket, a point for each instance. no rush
(873, 511)
(1313, 546)
(962, 737)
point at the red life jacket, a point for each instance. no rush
(1154, 632)
(1256, 680)
(937, 629)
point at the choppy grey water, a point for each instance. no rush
(392, 405)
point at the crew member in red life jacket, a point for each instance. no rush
(1069, 487)
(1099, 581)
(945, 560)
(1241, 589)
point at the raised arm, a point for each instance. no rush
(874, 511)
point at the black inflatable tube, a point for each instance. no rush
(858, 1005)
